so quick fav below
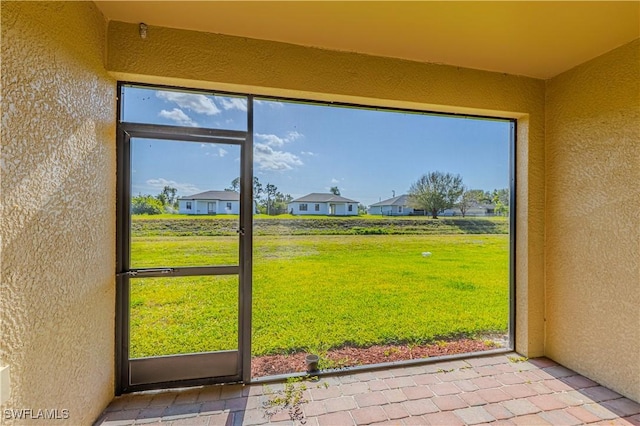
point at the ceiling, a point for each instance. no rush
(533, 38)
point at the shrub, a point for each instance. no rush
(146, 204)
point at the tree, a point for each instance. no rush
(235, 185)
(280, 203)
(275, 201)
(257, 187)
(500, 198)
(169, 198)
(472, 197)
(334, 190)
(466, 201)
(436, 191)
(482, 196)
(271, 191)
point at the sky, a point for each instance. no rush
(370, 155)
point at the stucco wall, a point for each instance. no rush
(201, 60)
(593, 219)
(57, 223)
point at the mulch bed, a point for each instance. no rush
(271, 365)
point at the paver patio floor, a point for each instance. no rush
(497, 389)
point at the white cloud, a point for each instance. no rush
(269, 159)
(178, 116)
(183, 188)
(233, 103)
(199, 104)
(270, 104)
(275, 140)
(293, 135)
(308, 153)
(221, 152)
(271, 140)
(334, 180)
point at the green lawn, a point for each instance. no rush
(319, 292)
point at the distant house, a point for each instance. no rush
(396, 206)
(323, 204)
(476, 209)
(399, 206)
(210, 202)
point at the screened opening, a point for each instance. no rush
(385, 236)
(378, 235)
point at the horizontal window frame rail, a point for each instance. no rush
(194, 366)
(186, 271)
(183, 134)
(319, 102)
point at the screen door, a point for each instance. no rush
(184, 256)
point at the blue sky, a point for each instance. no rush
(303, 148)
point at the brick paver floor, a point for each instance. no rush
(500, 389)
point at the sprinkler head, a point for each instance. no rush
(312, 363)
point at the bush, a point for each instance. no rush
(146, 204)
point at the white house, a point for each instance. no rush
(210, 202)
(475, 209)
(323, 204)
(399, 206)
(396, 206)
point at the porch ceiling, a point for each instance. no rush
(533, 38)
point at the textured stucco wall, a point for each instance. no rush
(593, 219)
(57, 223)
(194, 59)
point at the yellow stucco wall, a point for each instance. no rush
(593, 219)
(57, 183)
(195, 59)
(57, 223)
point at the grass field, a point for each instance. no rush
(316, 292)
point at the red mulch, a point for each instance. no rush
(271, 365)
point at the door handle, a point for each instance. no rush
(138, 272)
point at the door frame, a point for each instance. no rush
(244, 139)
